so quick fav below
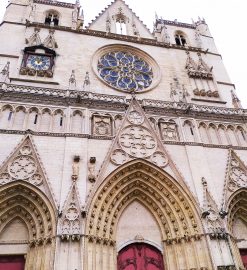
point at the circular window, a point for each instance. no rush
(126, 68)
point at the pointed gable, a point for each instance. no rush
(118, 18)
(70, 222)
(137, 139)
(236, 175)
(24, 164)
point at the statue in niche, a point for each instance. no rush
(75, 168)
(91, 169)
(102, 126)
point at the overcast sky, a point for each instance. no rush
(226, 20)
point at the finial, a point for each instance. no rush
(4, 75)
(156, 16)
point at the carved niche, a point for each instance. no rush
(101, 125)
(168, 130)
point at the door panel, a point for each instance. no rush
(243, 253)
(12, 263)
(140, 256)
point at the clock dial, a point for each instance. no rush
(38, 62)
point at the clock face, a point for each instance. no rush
(38, 62)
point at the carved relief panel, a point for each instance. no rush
(168, 130)
(101, 125)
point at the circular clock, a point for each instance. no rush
(39, 62)
(126, 68)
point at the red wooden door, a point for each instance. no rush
(140, 256)
(12, 263)
(243, 253)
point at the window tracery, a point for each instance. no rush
(180, 39)
(125, 71)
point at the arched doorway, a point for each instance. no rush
(140, 256)
(171, 209)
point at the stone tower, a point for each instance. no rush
(120, 148)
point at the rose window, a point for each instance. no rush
(125, 71)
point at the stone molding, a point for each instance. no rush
(91, 98)
(55, 3)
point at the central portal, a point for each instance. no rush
(140, 256)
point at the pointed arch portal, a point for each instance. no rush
(170, 204)
(140, 256)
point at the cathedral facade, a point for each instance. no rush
(120, 148)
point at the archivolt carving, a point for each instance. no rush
(237, 207)
(22, 200)
(140, 181)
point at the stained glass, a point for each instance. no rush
(125, 71)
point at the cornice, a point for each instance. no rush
(22, 93)
(175, 23)
(53, 3)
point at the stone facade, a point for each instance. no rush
(114, 139)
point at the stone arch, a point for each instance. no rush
(237, 211)
(175, 211)
(22, 200)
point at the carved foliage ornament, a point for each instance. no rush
(22, 167)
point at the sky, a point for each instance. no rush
(226, 20)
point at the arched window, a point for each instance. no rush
(121, 28)
(212, 131)
(189, 131)
(52, 18)
(203, 132)
(222, 134)
(58, 121)
(33, 119)
(241, 134)
(6, 116)
(20, 114)
(180, 39)
(76, 122)
(45, 120)
(140, 256)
